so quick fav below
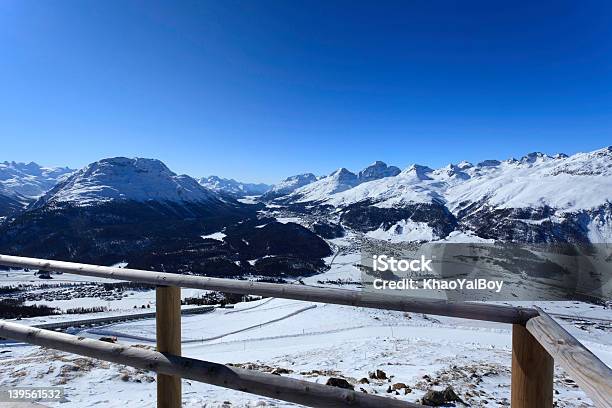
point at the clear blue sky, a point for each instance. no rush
(259, 90)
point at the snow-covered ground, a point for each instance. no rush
(216, 236)
(314, 342)
(58, 293)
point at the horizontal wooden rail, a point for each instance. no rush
(589, 372)
(254, 382)
(370, 299)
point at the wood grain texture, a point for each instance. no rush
(592, 375)
(532, 371)
(168, 328)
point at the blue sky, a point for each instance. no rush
(260, 90)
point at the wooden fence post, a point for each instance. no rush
(532, 371)
(168, 328)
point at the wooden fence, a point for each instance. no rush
(537, 341)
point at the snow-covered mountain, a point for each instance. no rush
(124, 179)
(30, 180)
(579, 182)
(536, 198)
(567, 184)
(139, 211)
(339, 180)
(405, 187)
(233, 187)
(289, 185)
(116, 208)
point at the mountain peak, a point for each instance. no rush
(533, 157)
(233, 187)
(289, 185)
(139, 164)
(606, 151)
(465, 165)
(377, 170)
(340, 180)
(304, 176)
(453, 171)
(343, 172)
(489, 163)
(29, 180)
(30, 168)
(122, 178)
(418, 170)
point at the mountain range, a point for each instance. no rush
(537, 198)
(233, 187)
(30, 180)
(22, 183)
(139, 211)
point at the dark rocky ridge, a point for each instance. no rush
(376, 171)
(9, 206)
(531, 225)
(365, 217)
(165, 237)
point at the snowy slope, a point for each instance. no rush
(412, 185)
(339, 180)
(342, 180)
(313, 342)
(290, 184)
(30, 180)
(233, 187)
(120, 178)
(580, 182)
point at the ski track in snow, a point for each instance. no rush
(250, 308)
(119, 334)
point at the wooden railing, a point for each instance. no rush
(537, 341)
